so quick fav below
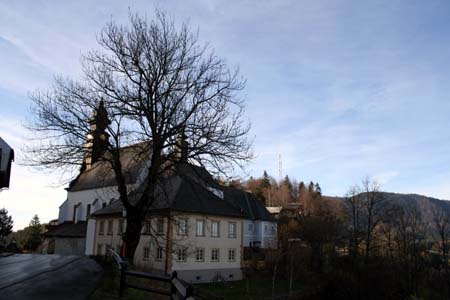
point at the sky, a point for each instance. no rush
(341, 90)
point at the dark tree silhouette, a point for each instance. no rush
(6, 224)
(34, 238)
(158, 84)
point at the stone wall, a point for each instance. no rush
(70, 246)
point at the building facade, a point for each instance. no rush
(196, 227)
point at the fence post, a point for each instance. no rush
(173, 289)
(189, 292)
(123, 280)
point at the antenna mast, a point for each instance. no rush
(280, 167)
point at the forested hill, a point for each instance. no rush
(423, 203)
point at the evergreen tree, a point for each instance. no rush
(288, 183)
(317, 189)
(6, 224)
(311, 188)
(301, 191)
(265, 188)
(265, 180)
(34, 235)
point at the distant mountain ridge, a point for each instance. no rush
(423, 203)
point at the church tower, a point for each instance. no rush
(97, 138)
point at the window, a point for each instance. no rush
(75, 213)
(182, 227)
(232, 230)
(148, 227)
(110, 227)
(250, 227)
(160, 226)
(146, 253)
(101, 228)
(200, 254)
(200, 227)
(274, 230)
(265, 229)
(181, 254)
(99, 249)
(120, 227)
(215, 254)
(231, 254)
(215, 229)
(159, 253)
(88, 211)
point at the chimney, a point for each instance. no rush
(97, 138)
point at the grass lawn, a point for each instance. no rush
(108, 287)
(258, 287)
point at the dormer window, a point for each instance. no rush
(216, 192)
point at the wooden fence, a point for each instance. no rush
(179, 290)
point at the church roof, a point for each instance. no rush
(100, 174)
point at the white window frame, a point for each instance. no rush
(182, 254)
(212, 254)
(146, 254)
(233, 256)
(232, 233)
(147, 227)
(101, 228)
(215, 234)
(110, 227)
(202, 228)
(159, 253)
(197, 252)
(183, 227)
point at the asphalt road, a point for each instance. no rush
(32, 276)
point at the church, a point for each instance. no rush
(197, 227)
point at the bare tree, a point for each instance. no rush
(410, 233)
(365, 211)
(441, 220)
(158, 85)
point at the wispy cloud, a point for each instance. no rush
(342, 90)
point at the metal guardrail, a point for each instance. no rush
(179, 290)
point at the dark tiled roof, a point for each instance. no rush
(196, 198)
(115, 207)
(68, 229)
(180, 193)
(101, 174)
(185, 192)
(253, 208)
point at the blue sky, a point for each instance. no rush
(341, 89)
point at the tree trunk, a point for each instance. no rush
(132, 235)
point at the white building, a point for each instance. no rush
(197, 227)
